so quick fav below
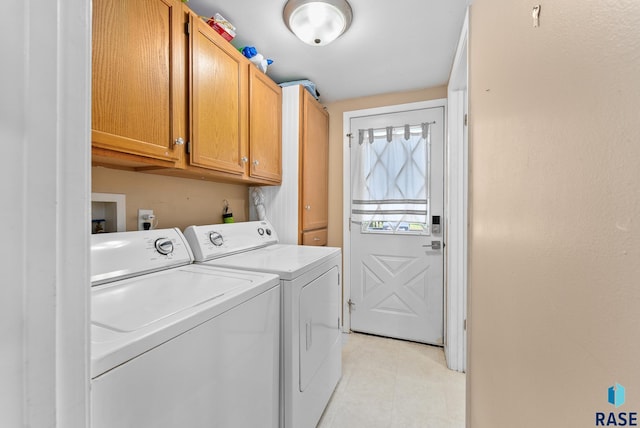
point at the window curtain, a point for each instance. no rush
(390, 174)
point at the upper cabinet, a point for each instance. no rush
(219, 102)
(265, 127)
(171, 96)
(235, 111)
(138, 82)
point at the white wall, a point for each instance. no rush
(44, 186)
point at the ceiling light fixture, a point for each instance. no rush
(317, 22)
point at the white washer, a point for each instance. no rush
(180, 345)
(311, 295)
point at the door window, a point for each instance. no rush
(390, 192)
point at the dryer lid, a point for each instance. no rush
(288, 261)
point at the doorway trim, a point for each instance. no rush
(456, 204)
(47, 187)
(346, 193)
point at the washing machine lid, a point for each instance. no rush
(288, 261)
(131, 316)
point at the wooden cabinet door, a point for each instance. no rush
(138, 82)
(218, 102)
(265, 127)
(314, 152)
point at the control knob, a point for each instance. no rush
(164, 246)
(216, 239)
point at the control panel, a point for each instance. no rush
(124, 254)
(218, 240)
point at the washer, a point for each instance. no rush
(311, 295)
(180, 345)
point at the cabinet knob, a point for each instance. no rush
(256, 162)
(307, 207)
(244, 159)
(179, 141)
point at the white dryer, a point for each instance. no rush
(180, 345)
(311, 296)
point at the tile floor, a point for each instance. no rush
(394, 384)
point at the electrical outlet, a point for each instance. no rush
(145, 216)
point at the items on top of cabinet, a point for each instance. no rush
(222, 27)
(307, 84)
(256, 58)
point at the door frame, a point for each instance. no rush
(456, 204)
(47, 185)
(346, 193)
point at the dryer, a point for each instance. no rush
(175, 344)
(311, 360)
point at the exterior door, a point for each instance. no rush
(397, 285)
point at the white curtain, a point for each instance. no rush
(390, 174)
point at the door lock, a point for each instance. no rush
(435, 245)
(435, 224)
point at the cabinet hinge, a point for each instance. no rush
(349, 224)
(187, 28)
(466, 119)
(350, 135)
(465, 325)
(188, 148)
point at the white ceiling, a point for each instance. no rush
(391, 46)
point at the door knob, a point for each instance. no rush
(435, 245)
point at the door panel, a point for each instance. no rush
(218, 104)
(319, 326)
(137, 80)
(396, 282)
(265, 126)
(315, 164)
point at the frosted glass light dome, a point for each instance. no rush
(317, 23)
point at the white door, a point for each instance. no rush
(396, 225)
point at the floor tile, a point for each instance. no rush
(390, 383)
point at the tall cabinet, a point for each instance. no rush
(298, 209)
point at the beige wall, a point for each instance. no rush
(336, 141)
(555, 212)
(177, 202)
